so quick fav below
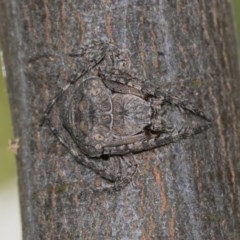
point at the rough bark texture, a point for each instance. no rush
(188, 190)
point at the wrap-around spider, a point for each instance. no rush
(113, 113)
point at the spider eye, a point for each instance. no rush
(83, 105)
(84, 127)
(98, 137)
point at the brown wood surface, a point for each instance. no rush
(187, 190)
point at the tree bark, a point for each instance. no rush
(186, 190)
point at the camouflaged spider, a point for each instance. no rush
(114, 114)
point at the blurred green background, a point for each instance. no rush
(236, 12)
(7, 161)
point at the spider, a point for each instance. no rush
(114, 114)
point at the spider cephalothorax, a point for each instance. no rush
(113, 113)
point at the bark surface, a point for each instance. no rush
(187, 190)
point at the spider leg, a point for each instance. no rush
(119, 181)
(154, 141)
(52, 102)
(122, 82)
(83, 160)
(128, 169)
(90, 55)
(123, 179)
(91, 52)
(94, 60)
(182, 105)
(127, 139)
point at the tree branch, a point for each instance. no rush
(186, 190)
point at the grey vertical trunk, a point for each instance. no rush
(186, 190)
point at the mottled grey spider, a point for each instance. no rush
(114, 114)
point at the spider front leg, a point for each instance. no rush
(89, 56)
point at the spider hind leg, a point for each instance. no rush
(126, 171)
(118, 181)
